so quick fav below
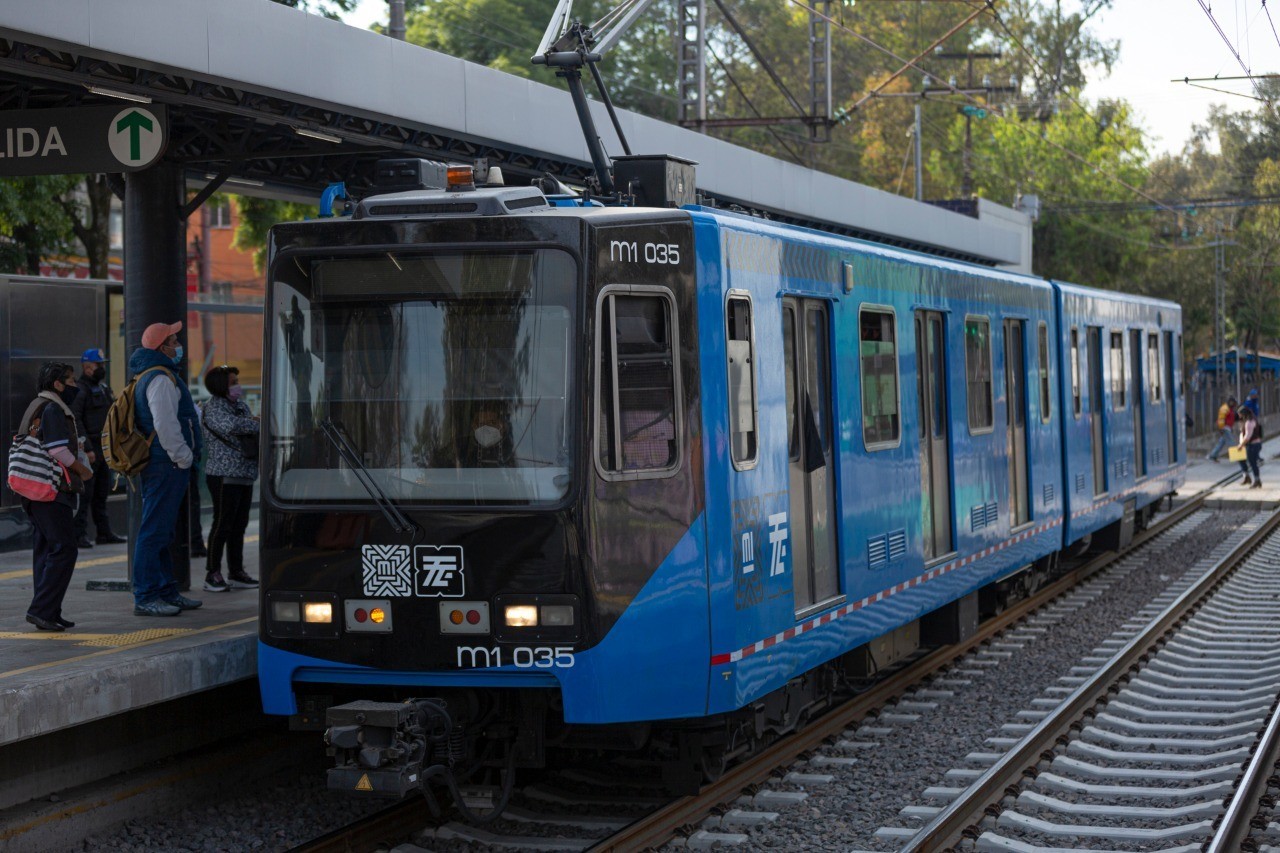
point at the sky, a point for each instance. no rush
(1160, 40)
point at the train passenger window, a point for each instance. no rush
(1076, 407)
(878, 355)
(637, 427)
(740, 351)
(1153, 365)
(1118, 379)
(1042, 349)
(977, 369)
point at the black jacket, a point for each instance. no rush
(90, 408)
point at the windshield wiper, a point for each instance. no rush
(338, 436)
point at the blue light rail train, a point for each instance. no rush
(542, 473)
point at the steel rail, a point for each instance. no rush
(659, 826)
(1237, 820)
(952, 822)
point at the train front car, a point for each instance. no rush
(483, 483)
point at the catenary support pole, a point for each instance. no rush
(155, 291)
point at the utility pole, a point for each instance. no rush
(966, 184)
(395, 21)
(919, 164)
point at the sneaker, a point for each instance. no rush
(213, 582)
(240, 580)
(183, 603)
(155, 608)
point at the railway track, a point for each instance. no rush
(743, 795)
(1147, 751)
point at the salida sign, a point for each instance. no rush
(81, 139)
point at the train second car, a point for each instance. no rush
(569, 471)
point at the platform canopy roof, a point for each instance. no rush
(241, 78)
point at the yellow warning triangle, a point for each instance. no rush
(363, 784)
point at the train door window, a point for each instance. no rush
(1015, 379)
(1171, 419)
(789, 371)
(1042, 354)
(1117, 370)
(638, 417)
(977, 369)
(1097, 435)
(1139, 413)
(878, 356)
(740, 351)
(1076, 407)
(1153, 365)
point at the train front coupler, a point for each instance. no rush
(387, 749)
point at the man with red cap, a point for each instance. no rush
(166, 411)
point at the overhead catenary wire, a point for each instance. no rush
(1227, 41)
(955, 90)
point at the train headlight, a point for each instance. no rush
(521, 616)
(556, 615)
(286, 611)
(317, 612)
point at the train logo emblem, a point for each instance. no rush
(435, 571)
(438, 571)
(387, 571)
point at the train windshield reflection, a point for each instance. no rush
(450, 373)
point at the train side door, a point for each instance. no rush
(1139, 416)
(805, 336)
(1095, 411)
(1015, 377)
(935, 437)
(1171, 398)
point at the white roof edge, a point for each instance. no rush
(322, 62)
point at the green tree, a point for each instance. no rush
(34, 223)
(257, 215)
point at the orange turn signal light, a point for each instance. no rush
(377, 616)
(460, 177)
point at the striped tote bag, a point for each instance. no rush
(33, 474)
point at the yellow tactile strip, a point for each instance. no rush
(109, 640)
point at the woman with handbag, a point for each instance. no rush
(48, 420)
(1251, 444)
(231, 437)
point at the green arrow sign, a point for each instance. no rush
(135, 122)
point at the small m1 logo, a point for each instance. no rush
(438, 571)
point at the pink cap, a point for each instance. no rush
(158, 333)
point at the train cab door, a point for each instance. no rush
(1096, 435)
(811, 465)
(1171, 399)
(935, 438)
(1139, 404)
(1015, 378)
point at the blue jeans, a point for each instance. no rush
(1226, 437)
(1253, 452)
(163, 485)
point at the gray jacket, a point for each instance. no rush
(223, 419)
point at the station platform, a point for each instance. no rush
(1202, 473)
(113, 661)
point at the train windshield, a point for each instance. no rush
(449, 374)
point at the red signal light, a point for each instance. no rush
(473, 616)
(360, 615)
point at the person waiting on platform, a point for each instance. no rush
(1226, 428)
(231, 437)
(90, 408)
(163, 407)
(53, 522)
(1251, 441)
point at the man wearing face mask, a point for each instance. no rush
(165, 409)
(90, 408)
